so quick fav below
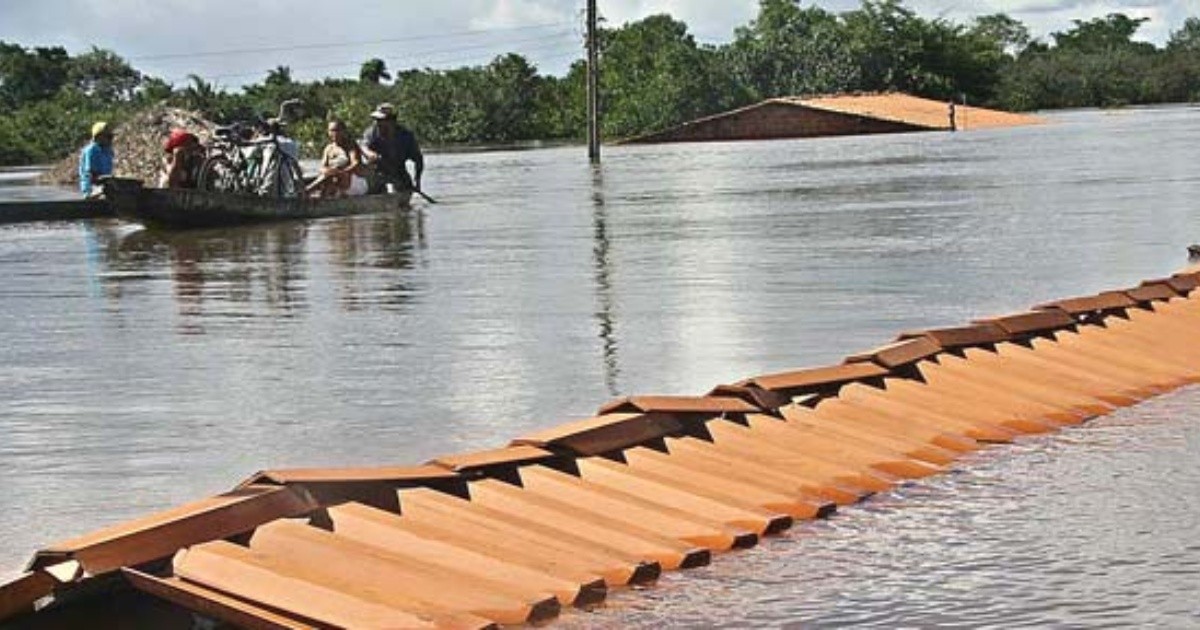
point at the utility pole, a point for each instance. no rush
(593, 87)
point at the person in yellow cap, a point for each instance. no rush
(96, 159)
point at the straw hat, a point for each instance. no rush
(385, 111)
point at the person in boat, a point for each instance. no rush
(390, 146)
(340, 162)
(181, 164)
(96, 160)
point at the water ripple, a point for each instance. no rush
(142, 369)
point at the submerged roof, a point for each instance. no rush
(832, 115)
(556, 518)
(916, 111)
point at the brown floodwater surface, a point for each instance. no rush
(140, 370)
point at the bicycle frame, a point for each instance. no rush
(253, 166)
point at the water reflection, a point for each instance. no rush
(605, 312)
(214, 272)
(358, 247)
(257, 271)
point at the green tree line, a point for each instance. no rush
(654, 74)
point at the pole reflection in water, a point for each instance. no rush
(604, 290)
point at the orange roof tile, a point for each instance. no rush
(915, 110)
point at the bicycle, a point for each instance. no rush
(237, 162)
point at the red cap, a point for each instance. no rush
(178, 138)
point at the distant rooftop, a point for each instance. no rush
(836, 115)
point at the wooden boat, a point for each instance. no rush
(176, 208)
(56, 210)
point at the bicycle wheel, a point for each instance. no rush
(288, 177)
(217, 174)
(282, 177)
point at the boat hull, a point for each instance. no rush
(184, 209)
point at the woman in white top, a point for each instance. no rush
(340, 161)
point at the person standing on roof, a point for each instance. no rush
(96, 161)
(390, 147)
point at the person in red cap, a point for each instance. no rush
(181, 165)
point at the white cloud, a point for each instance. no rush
(493, 14)
(1048, 16)
(709, 20)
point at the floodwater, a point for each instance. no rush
(139, 370)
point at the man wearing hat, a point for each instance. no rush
(390, 146)
(96, 159)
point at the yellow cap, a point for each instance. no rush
(99, 128)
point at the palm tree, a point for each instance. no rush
(281, 75)
(200, 95)
(374, 71)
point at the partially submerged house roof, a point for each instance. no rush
(918, 111)
(556, 518)
(837, 115)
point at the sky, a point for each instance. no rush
(235, 42)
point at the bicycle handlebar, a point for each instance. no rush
(283, 107)
(235, 133)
